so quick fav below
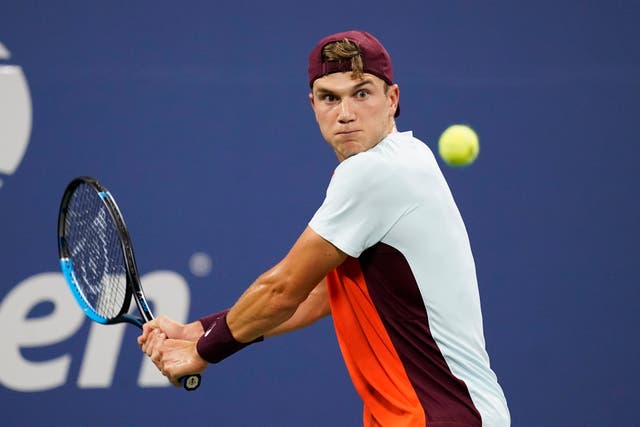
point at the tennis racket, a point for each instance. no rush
(96, 258)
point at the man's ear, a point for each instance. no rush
(394, 96)
(313, 105)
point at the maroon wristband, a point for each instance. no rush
(217, 342)
(207, 321)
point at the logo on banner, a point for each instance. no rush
(15, 115)
(167, 290)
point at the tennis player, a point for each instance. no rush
(386, 254)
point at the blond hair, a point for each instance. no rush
(345, 50)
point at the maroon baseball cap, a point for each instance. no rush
(375, 58)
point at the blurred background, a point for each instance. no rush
(195, 115)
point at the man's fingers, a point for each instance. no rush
(173, 358)
(179, 358)
(153, 343)
(147, 328)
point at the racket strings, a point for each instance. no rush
(96, 252)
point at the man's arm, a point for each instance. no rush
(276, 295)
(290, 295)
(314, 308)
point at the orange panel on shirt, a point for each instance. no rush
(371, 359)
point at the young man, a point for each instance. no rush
(387, 255)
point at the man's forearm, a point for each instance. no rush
(314, 308)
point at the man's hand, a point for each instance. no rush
(178, 358)
(172, 329)
(171, 346)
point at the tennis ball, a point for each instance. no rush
(458, 145)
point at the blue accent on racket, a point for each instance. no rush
(66, 265)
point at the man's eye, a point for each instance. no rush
(362, 93)
(328, 98)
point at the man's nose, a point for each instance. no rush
(346, 111)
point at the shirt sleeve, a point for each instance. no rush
(363, 201)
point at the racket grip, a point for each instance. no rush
(190, 382)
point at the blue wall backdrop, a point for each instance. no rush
(195, 115)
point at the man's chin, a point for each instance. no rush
(350, 147)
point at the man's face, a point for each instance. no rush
(353, 115)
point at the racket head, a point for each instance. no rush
(96, 258)
(96, 255)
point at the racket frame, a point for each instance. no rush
(134, 286)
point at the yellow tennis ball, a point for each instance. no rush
(459, 145)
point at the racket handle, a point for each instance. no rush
(190, 382)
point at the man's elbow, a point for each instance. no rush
(284, 294)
